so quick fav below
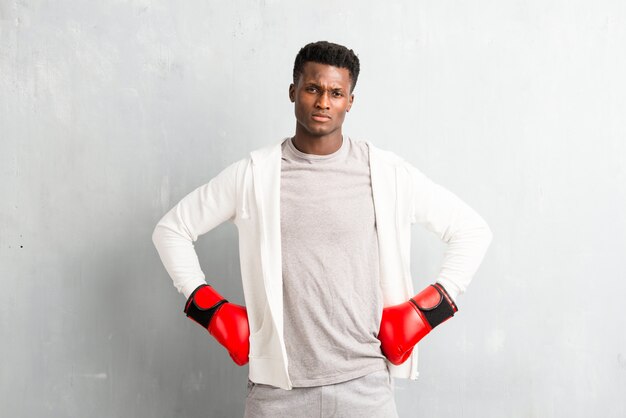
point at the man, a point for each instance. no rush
(324, 225)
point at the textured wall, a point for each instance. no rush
(110, 112)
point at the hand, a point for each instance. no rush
(403, 326)
(225, 321)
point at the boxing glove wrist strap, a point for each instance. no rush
(435, 304)
(202, 304)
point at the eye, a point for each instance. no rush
(311, 89)
(337, 93)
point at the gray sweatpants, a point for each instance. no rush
(370, 396)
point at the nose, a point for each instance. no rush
(323, 102)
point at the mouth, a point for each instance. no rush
(320, 117)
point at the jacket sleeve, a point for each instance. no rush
(467, 234)
(197, 213)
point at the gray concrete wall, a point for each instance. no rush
(110, 112)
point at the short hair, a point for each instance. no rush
(324, 52)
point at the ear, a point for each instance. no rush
(350, 102)
(292, 93)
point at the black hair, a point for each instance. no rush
(328, 53)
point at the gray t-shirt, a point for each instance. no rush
(331, 288)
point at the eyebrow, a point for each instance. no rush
(315, 84)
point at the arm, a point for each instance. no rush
(197, 213)
(468, 236)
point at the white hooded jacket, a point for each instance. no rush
(247, 193)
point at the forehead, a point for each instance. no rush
(325, 74)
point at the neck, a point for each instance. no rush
(318, 145)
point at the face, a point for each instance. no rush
(321, 97)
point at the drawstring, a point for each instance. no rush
(398, 216)
(407, 280)
(412, 214)
(399, 229)
(244, 203)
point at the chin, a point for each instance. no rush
(320, 132)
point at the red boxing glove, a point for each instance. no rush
(225, 321)
(402, 326)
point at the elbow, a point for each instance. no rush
(156, 235)
(482, 231)
(488, 234)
